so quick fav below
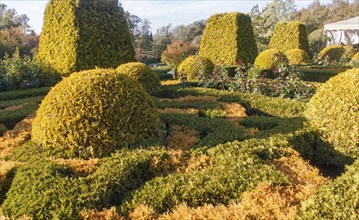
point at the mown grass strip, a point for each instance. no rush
(21, 94)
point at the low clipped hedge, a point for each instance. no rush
(254, 104)
(338, 200)
(297, 56)
(334, 109)
(195, 68)
(235, 168)
(92, 113)
(331, 53)
(45, 190)
(268, 59)
(143, 74)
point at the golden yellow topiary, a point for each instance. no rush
(331, 53)
(94, 112)
(84, 34)
(297, 56)
(229, 38)
(334, 109)
(350, 51)
(195, 67)
(143, 74)
(289, 35)
(268, 59)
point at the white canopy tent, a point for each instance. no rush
(343, 32)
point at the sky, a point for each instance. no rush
(159, 12)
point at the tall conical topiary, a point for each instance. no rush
(289, 35)
(83, 34)
(229, 38)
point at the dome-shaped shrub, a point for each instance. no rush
(268, 59)
(195, 67)
(356, 57)
(143, 74)
(297, 56)
(349, 52)
(94, 112)
(331, 53)
(334, 109)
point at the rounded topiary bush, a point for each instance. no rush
(297, 56)
(94, 112)
(334, 109)
(195, 67)
(331, 53)
(143, 74)
(269, 59)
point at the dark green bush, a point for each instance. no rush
(3, 129)
(84, 34)
(229, 38)
(320, 73)
(195, 68)
(334, 109)
(289, 35)
(24, 73)
(94, 112)
(143, 74)
(338, 200)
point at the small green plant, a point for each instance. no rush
(22, 73)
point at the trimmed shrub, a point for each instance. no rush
(195, 68)
(269, 59)
(331, 53)
(350, 51)
(355, 58)
(84, 34)
(289, 35)
(229, 38)
(317, 41)
(338, 200)
(143, 74)
(297, 56)
(334, 109)
(94, 112)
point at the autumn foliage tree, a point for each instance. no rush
(177, 51)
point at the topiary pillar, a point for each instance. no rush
(84, 34)
(229, 38)
(289, 35)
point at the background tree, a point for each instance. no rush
(264, 21)
(15, 33)
(176, 52)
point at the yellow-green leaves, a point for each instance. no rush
(84, 34)
(289, 35)
(229, 38)
(95, 112)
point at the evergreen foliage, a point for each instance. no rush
(94, 112)
(297, 56)
(229, 38)
(268, 59)
(289, 35)
(195, 67)
(83, 34)
(143, 74)
(334, 109)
